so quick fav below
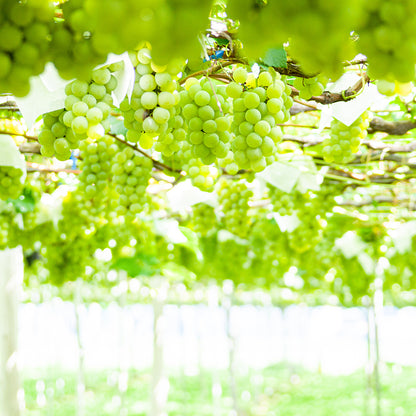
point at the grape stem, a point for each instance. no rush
(156, 163)
(212, 70)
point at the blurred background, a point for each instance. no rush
(157, 349)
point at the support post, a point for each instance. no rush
(160, 384)
(11, 277)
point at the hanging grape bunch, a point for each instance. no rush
(344, 140)
(259, 105)
(233, 197)
(152, 105)
(24, 33)
(95, 166)
(87, 107)
(131, 173)
(204, 218)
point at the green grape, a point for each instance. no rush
(151, 110)
(206, 118)
(95, 181)
(25, 32)
(131, 173)
(344, 140)
(84, 115)
(233, 197)
(387, 38)
(256, 111)
(304, 24)
(8, 226)
(204, 219)
(309, 87)
(11, 184)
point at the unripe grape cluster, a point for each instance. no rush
(388, 39)
(309, 232)
(205, 108)
(7, 226)
(72, 44)
(87, 107)
(96, 157)
(309, 87)
(324, 24)
(131, 173)
(204, 219)
(11, 185)
(344, 141)
(152, 105)
(24, 33)
(233, 198)
(259, 105)
(283, 203)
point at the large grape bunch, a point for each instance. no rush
(152, 109)
(233, 198)
(388, 39)
(87, 107)
(131, 173)
(259, 105)
(96, 157)
(24, 33)
(265, 24)
(205, 109)
(72, 44)
(11, 185)
(344, 140)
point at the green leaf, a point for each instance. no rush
(140, 265)
(117, 126)
(276, 57)
(192, 241)
(177, 272)
(222, 41)
(25, 203)
(130, 265)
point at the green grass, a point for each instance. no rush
(276, 391)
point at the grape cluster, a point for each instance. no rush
(344, 140)
(259, 104)
(233, 197)
(204, 219)
(309, 87)
(11, 185)
(131, 174)
(95, 167)
(387, 39)
(265, 24)
(284, 203)
(152, 108)
(87, 107)
(7, 225)
(72, 43)
(307, 234)
(205, 109)
(24, 33)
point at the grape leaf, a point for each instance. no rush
(222, 41)
(276, 57)
(25, 202)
